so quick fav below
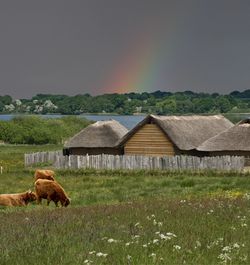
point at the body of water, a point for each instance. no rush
(129, 121)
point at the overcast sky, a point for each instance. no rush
(105, 46)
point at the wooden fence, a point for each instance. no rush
(41, 157)
(227, 163)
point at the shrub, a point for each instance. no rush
(37, 130)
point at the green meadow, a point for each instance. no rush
(126, 217)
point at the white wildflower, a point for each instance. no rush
(91, 252)
(164, 237)
(243, 258)
(171, 234)
(155, 241)
(197, 244)
(176, 247)
(111, 240)
(236, 245)
(135, 237)
(100, 254)
(226, 249)
(87, 262)
(210, 212)
(129, 257)
(246, 196)
(224, 257)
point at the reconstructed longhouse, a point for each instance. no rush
(153, 136)
(234, 141)
(102, 137)
(172, 135)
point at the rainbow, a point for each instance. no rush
(140, 70)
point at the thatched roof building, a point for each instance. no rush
(234, 141)
(98, 138)
(171, 135)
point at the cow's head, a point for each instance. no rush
(31, 196)
(66, 202)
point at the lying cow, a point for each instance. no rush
(51, 191)
(17, 199)
(44, 174)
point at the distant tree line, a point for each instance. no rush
(157, 102)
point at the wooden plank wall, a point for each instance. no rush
(149, 140)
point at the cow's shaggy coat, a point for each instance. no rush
(17, 199)
(51, 191)
(44, 174)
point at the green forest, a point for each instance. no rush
(158, 102)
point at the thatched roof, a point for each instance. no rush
(186, 132)
(236, 138)
(99, 134)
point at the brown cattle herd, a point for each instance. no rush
(46, 187)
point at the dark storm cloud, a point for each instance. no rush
(72, 47)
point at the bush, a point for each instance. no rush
(37, 130)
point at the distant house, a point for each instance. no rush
(234, 141)
(172, 135)
(102, 137)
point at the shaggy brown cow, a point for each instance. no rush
(44, 174)
(17, 199)
(52, 191)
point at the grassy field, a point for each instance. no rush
(123, 217)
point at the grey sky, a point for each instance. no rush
(76, 46)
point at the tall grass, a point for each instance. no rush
(205, 231)
(127, 217)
